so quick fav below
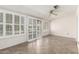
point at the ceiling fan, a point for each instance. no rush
(54, 11)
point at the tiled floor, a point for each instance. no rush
(46, 45)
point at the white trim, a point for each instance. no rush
(34, 39)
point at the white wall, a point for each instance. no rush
(11, 41)
(65, 26)
(78, 22)
(78, 28)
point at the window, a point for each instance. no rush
(16, 19)
(22, 24)
(30, 21)
(22, 28)
(1, 24)
(30, 36)
(34, 28)
(8, 25)
(8, 29)
(1, 30)
(9, 18)
(34, 22)
(38, 27)
(1, 17)
(17, 24)
(45, 26)
(30, 29)
(34, 34)
(22, 20)
(16, 29)
(38, 21)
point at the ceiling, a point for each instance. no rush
(41, 11)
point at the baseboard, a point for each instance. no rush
(64, 36)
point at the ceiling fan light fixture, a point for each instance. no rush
(54, 11)
(51, 11)
(56, 6)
